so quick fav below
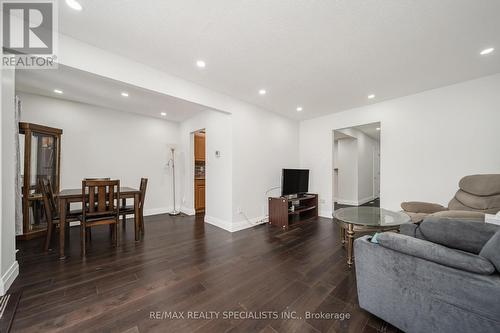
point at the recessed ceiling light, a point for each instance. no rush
(73, 4)
(487, 51)
(125, 94)
(163, 114)
(201, 63)
(378, 128)
(262, 92)
(372, 96)
(58, 91)
(299, 108)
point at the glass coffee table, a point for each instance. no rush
(354, 220)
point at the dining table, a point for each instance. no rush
(68, 196)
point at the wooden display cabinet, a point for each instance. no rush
(40, 159)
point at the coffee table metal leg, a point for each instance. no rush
(342, 234)
(350, 244)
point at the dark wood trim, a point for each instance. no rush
(26, 184)
(39, 128)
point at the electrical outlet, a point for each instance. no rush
(322, 201)
(238, 210)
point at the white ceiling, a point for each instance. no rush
(324, 55)
(88, 88)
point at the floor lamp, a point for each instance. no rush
(174, 212)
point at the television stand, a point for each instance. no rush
(285, 211)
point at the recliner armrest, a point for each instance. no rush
(436, 253)
(422, 207)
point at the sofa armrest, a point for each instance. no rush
(422, 207)
(436, 253)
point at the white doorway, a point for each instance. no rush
(356, 166)
(199, 157)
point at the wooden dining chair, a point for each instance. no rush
(101, 206)
(51, 211)
(125, 210)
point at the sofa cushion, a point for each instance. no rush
(457, 205)
(422, 207)
(436, 253)
(481, 184)
(491, 250)
(468, 215)
(463, 234)
(478, 202)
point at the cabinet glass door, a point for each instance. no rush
(43, 167)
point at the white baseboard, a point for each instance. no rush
(244, 224)
(354, 202)
(234, 226)
(187, 210)
(9, 277)
(347, 202)
(226, 225)
(157, 211)
(365, 200)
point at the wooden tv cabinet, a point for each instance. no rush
(281, 214)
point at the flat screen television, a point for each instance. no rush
(294, 181)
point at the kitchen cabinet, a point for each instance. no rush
(199, 195)
(199, 146)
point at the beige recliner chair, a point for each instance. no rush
(477, 195)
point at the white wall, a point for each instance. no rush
(257, 145)
(218, 171)
(428, 142)
(100, 142)
(263, 144)
(8, 264)
(254, 147)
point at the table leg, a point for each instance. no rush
(342, 234)
(350, 244)
(137, 217)
(62, 226)
(124, 216)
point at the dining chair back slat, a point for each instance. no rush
(101, 205)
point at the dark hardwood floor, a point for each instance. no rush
(186, 265)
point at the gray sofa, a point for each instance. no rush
(439, 276)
